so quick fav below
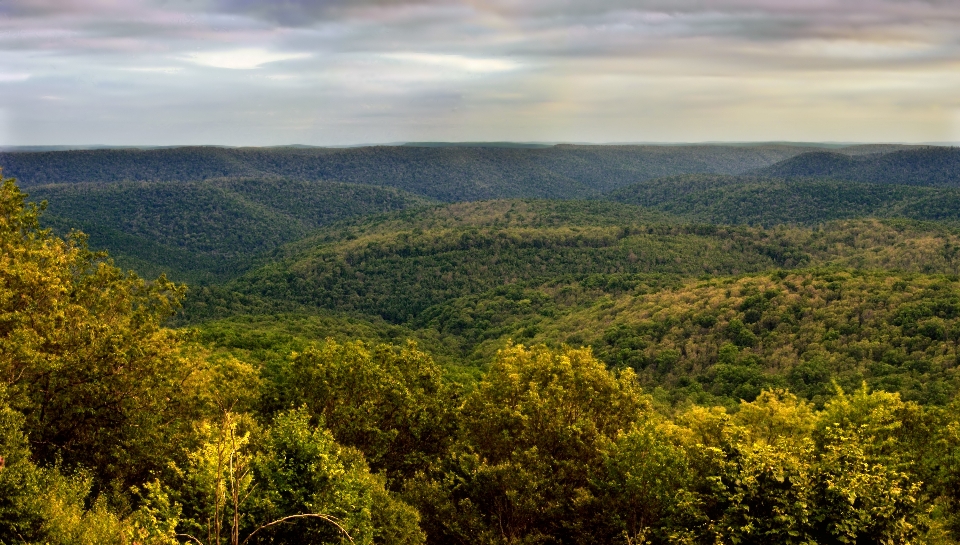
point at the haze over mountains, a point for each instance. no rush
(450, 173)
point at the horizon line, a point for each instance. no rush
(466, 143)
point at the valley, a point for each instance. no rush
(488, 344)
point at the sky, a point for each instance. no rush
(338, 72)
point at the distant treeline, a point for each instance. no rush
(442, 173)
(934, 166)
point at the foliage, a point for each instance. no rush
(211, 230)
(390, 403)
(773, 201)
(83, 354)
(801, 384)
(286, 484)
(933, 166)
(533, 432)
(444, 173)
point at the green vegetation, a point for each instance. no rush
(206, 215)
(117, 430)
(930, 166)
(206, 231)
(696, 359)
(773, 201)
(399, 267)
(442, 173)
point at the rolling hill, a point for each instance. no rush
(444, 173)
(396, 267)
(206, 231)
(773, 201)
(642, 289)
(927, 166)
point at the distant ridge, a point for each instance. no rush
(929, 166)
(28, 149)
(450, 173)
(521, 145)
(199, 231)
(798, 201)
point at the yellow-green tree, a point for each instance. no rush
(392, 403)
(83, 352)
(533, 436)
(289, 483)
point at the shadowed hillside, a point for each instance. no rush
(772, 201)
(933, 166)
(201, 231)
(443, 173)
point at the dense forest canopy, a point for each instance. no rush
(207, 231)
(206, 225)
(774, 201)
(934, 166)
(703, 351)
(443, 173)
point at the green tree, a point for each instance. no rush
(392, 403)
(290, 483)
(534, 433)
(645, 488)
(83, 353)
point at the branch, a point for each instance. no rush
(188, 536)
(328, 518)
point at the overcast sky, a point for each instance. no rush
(246, 72)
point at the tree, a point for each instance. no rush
(290, 483)
(534, 433)
(391, 403)
(83, 353)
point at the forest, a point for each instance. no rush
(707, 344)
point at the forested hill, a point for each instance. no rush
(469, 277)
(397, 268)
(582, 372)
(773, 201)
(443, 173)
(931, 166)
(205, 231)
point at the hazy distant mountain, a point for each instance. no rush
(771, 201)
(200, 231)
(447, 173)
(934, 166)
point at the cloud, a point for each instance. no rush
(459, 63)
(863, 49)
(377, 70)
(241, 59)
(155, 69)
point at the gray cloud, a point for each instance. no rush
(337, 71)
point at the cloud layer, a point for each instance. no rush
(247, 72)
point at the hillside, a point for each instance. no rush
(203, 231)
(847, 301)
(443, 173)
(397, 267)
(929, 166)
(703, 375)
(727, 338)
(773, 201)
